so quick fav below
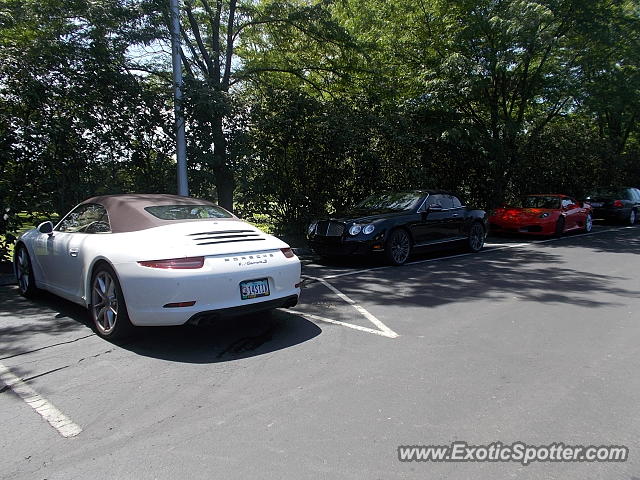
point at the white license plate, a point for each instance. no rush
(254, 288)
(597, 204)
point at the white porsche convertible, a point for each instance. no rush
(156, 260)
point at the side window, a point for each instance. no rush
(86, 218)
(434, 200)
(456, 202)
(447, 202)
(630, 194)
(637, 192)
(566, 203)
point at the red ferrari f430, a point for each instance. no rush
(542, 215)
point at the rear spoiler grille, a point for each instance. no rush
(226, 236)
(232, 241)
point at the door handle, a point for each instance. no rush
(455, 215)
(73, 252)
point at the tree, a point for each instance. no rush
(610, 82)
(228, 44)
(74, 120)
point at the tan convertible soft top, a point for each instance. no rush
(127, 211)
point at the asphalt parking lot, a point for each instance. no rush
(529, 340)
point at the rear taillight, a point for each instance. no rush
(288, 252)
(618, 204)
(175, 263)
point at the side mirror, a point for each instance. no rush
(46, 228)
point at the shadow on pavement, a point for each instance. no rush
(542, 275)
(31, 323)
(225, 340)
(56, 321)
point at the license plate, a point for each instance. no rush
(597, 204)
(254, 289)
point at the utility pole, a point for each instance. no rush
(181, 144)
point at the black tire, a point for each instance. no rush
(108, 310)
(633, 217)
(397, 248)
(560, 226)
(477, 235)
(24, 272)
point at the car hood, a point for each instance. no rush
(512, 212)
(366, 216)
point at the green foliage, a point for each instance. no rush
(298, 107)
(74, 120)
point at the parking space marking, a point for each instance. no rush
(318, 318)
(46, 410)
(493, 248)
(382, 329)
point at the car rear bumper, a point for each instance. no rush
(211, 315)
(151, 293)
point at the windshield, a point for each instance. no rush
(540, 201)
(389, 201)
(187, 212)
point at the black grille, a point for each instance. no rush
(225, 236)
(327, 228)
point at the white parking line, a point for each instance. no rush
(382, 330)
(493, 247)
(46, 410)
(336, 322)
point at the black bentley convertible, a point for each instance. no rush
(397, 223)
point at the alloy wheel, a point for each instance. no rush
(588, 224)
(400, 247)
(104, 302)
(632, 217)
(23, 270)
(476, 237)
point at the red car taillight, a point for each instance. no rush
(288, 252)
(175, 263)
(618, 204)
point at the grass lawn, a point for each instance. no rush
(29, 221)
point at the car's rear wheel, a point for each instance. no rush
(108, 309)
(588, 223)
(476, 237)
(633, 217)
(24, 272)
(398, 247)
(560, 226)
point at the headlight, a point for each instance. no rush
(368, 229)
(312, 227)
(544, 215)
(355, 229)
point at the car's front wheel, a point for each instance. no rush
(560, 226)
(588, 223)
(398, 247)
(633, 217)
(108, 309)
(24, 272)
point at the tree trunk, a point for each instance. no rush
(225, 183)
(225, 186)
